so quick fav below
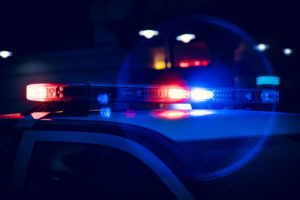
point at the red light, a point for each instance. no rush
(171, 114)
(184, 64)
(45, 92)
(204, 62)
(197, 63)
(166, 94)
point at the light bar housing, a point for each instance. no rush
(53, 92)
(108, 93)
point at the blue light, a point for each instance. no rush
(270, 96)
(103, 98)
(199, 94)
(267, 80)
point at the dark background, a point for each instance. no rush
(70, 40)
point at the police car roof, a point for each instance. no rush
(199, 124)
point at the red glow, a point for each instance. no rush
(197, 63)
(184, 64)
(204, 62)
(171, 114)
(44, 92)
(12, 116)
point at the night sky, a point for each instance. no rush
(41, 26)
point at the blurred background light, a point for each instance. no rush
(186, 38)
(5, 54)
(148, 33)
(261, 47)
(287, 51)
(159, 65)
(267, 80)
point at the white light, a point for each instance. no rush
(5, 54)
(198, 94)
(287, 51)
(197, 113)
(148, 33)
(261, 47)
(186, 38)
(181, 106)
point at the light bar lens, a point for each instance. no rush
(199, 94)
(178, 93)
(166, 94)
(44, 92)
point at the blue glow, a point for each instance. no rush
(267, 80)
(105, 113)
(199, 94)
(103, 99)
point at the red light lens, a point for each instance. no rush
(167, 94)
(44, 92)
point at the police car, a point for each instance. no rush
(160, 140)
(103, 141)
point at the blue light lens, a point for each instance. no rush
(103, 99)
(269, 96)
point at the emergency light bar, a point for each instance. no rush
(105, 94)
